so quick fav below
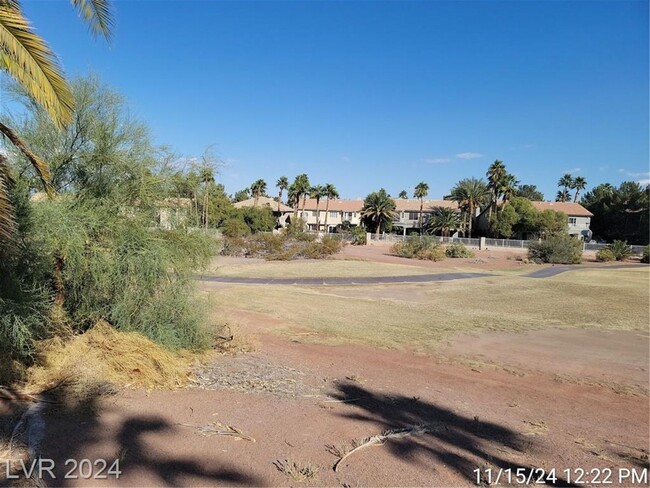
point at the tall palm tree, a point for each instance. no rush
(282, 184)
(470, 194)
(258, 188)
(495, 175)
(565, 182)
(378, 209)
(302, 188)
(578, 184)
(317, 192)
(330, 192)
(27, 59)
(444, 220)
(421, 191)
(403, 195)
(508, 187)
(206, 174)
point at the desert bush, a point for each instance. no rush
(235, 228)
(620, 250)
(558, 249)
(325, 248)
(458, 251)
(419, 248)
(359, 236)
(645, 257)
(605, 255)
(233, 246)
(112, 268)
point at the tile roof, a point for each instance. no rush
(335, 205)
(569, 208)
(263, 201)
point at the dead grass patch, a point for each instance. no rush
(297, 471)
(104, 358)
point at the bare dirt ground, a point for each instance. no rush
(566, 399)
(295, 399)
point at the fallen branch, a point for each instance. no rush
(377, 440)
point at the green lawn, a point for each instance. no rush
(420, 316)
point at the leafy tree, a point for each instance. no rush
(378, 211)
(282, 184)
(28, 60)
(502, 223)
(443, 220)
(620, 213)
(421, 192)
(529, 191)
(470, 194)
(330, 192)
(241, 195)
(258, 188)
(403, 195)
(551, 222)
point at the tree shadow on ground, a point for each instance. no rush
(74, 430)
(456, 441)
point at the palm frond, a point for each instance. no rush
(39, 165)
(28, 59)
(98, 14)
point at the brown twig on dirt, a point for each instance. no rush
(377, 440)
(217, 428)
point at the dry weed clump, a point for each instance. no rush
(104, 358)
(297, 471)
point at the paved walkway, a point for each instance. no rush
(377, 280)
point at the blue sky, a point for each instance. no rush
(373, 94)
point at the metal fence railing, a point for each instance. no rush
(593, 246)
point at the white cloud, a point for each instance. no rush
(603, 168)
(638, 175)
(644, 182)
(468, 155)
(621, 170)
(437, 160)
(572, 170)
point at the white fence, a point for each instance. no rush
(476, 242)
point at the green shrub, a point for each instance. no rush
(557, 249)
(620, 250)
(419, 247)
(458, 251)
(645, 258)
(234, 227)
(233, 246)
(605, 255)
(359, 236)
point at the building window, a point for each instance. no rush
(314, 213)
(350, 215)
(305, 215)
(573, 221)
(414, 215)
(334, 214)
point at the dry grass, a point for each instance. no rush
(104, 357)
(607, 299)
(309, 269)
(297, 471)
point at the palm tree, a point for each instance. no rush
(317, 192)
(470, 194)
(207, 176)
(27, 58)
(495, 175)
(282, 184)
(330, 192)
(403, 195)
(258, 188)
(578, 184)
(421, 191)
(566, 182)
(301, 188)
(508, 187)
(443, 219)
(378, 209)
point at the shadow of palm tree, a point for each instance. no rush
(463, 444)
(74, 430)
